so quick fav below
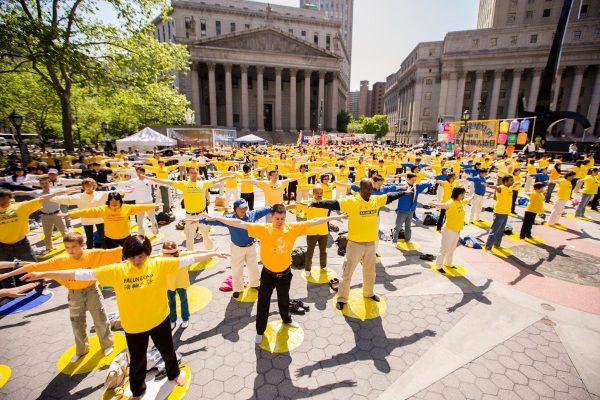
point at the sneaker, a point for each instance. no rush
(293, 324)
(441, 270)
(236, 295)
(108, 351)
(173, 325)
(77, 357)
(258, 339)
(375, 298)
(185, 324)
(340, 305)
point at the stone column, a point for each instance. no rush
(535, 89)
(245, 116)
(307, 101)
(477, 94)
(228, 96)
(321, 99)
(334, 102)
(450, 98)
(293, 100)
(260, 99)
(417, 104)
(278, 99)
(195, 92)
(574, 96)
(514, 93)
(495, 93)
(212, 94)
(556, 88)
(443, 94)
(460, 94)
(594, 102)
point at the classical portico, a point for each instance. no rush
(225, 90)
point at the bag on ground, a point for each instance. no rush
(117, 371)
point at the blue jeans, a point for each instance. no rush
(185, 310)
(585, 199)
(496, 231)
(403, 218)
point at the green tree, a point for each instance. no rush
(343, 118)
(355, 126)
(66, 44)
(377, 125)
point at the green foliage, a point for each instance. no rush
(377, 125)
(343, 118)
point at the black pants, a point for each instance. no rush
(312, 241)
(594, 202)
(137, 343)
(89, 236)
(515, 194)
(110, 243)
(528, 220)
(292, 188)
(268, 282)
(10, 252)
(441, 219)
(249, 197)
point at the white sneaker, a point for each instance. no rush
(108, 351)
(294, 325)
(258, 339)
(173, 324)
(185, 324)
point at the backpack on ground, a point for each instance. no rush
(164, 218)
(470, 241)
(117, 371)
(508, 230)
(298, 258)
(342, 243)
(180, 225)
(430, 219)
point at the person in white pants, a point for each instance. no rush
(140, 192)
(565, 188)
(479, 187)
(243, 247)
(455, 221)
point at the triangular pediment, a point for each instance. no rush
(265, 39)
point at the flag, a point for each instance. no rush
(322, 140)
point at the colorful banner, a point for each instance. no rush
(480, 136)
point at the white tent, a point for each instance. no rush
(146, 139)
(250, 139)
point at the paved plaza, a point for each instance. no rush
(522, 326)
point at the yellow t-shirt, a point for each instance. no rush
(311, 213)
(194, 194)
(273, 192)
(246, 187)
(564, 189)
(518, 182)
(14, 220)
(536, 202)
(590, 185)
(90, 259)
(162, 172)
(503, 200)
(231, 183)
(116, 220)
(554, 174)
(455, 215)
(363, 216)
(276, 245)
(447, 191)
(140, 291)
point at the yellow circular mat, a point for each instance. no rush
(502, 251)
(454, 271)
(161, 389)
(94, 359)
(360, 307)
(281, 338)
(482, 224)
(248, 295)
(407, 246)
(534, 240)
(206, 264)
(198, 298)
(572, 216)
(319, 275)
(5, 373)
(557, 226)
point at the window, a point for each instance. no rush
(533, 38)
(546, 13)
(232, 27)
(428, 81)
(316, 38)
(328, 42)
(190, 27)
(265, 85)
(597, 33)
(529, 15)
(303, 34)
(246, 26)
(500, 111)
(291, 31)
(475, 43)
(510, 18)
(494, 42)
(467, 94)
(430, 53)
(427, 96)
(218, 27)
(249, 83)
(583, 11)
(576, 35)
(202, 27)
(513, 40)
(426, 111)
(236, 118)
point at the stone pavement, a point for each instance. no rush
(526, 326)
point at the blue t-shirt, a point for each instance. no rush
(409, 203)
(480, 184)
(541, 177)
(239, 236)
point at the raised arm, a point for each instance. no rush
(161, 182)
(323, 220)
(190, 259)
(332, 205)
(73, 274)
(391, 197)
(233, 222)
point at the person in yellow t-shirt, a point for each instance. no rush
(273, 188)
(516, 187)
(276, 245)
(590, 189)
(177, 284)
(455, 221)
(162, 172)
(82, 295)
(565, 189)
(535, 207)
(555, 174)
(501, 210)
(140, 284)
(246, 187)
(317, 234)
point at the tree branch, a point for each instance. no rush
(71, 18)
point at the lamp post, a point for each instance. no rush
(16, 120)
(396, 125)
(104, 126)
(465, 118)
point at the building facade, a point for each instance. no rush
(342, 10)
(259, 67)
(364, 99)
(377, 94)
(353, 101)
(489, 70)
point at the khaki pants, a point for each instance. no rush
(556, 213)
(449, 243)
(239, 257)
(302, 195)
(340, 191)
(355, 253)
(150, 214)
(80, 301)
(190, 233)
(49, 221)
(476, 205)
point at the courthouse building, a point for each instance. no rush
(488, 70)
(259, 67)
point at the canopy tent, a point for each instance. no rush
(146, 139)
(250, 139)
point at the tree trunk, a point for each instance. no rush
(67, 120)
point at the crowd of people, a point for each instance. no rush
(319, 184)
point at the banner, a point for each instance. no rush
(480, 136)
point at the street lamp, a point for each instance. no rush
(104, 126)
(16, 120)
(396, 125)
(465, 118)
